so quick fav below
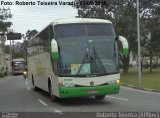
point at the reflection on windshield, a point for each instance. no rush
(92, 53)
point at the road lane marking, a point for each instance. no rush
(26, 82)
(42, 102)
(130, 85)
(56, 111)
(117, 98)
(29, 89)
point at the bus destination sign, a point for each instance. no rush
(13, 36)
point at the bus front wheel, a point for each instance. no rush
(51, 92)
(33, 83)
(100, 97)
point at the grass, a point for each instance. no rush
(148, 80)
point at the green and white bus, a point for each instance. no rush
(76, 57)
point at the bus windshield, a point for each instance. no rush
(86, 49)
(19, 65)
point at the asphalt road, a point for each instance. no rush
(17, 95)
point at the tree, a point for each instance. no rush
(153, 45)
(123, 15)
(152, 26)
(29, 34)
(4, 15)
(18, 55)
(7, 49)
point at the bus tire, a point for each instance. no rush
(51, 92)
(33, 83)
(100, 97)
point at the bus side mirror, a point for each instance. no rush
(124, 45)
(54, 49)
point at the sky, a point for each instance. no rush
(29, 17)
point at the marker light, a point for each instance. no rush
(25, 72)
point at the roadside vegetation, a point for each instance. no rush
(148, 80)
(123, 14)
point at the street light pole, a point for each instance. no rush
(139, 44)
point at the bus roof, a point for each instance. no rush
(79, 20)
(18, 59)
(74, 20)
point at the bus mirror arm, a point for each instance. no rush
(54, 49)
(124, 45)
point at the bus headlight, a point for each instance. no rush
(66, 84)
(25, 73)
(118, 81)
(60, 84)
(71, 85)
(114, 82)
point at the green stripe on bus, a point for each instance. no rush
(66, 92)
(54, 55)
(125, 51)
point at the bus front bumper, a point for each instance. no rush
(67, 92)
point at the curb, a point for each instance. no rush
(5, 77)
(2, 78)
(144, 89)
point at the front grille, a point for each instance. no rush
(91, 86)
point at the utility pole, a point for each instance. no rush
(12, 49)
(139, 44)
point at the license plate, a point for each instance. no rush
(92, 91)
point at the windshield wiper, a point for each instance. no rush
(94, 58)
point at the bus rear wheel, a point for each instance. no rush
(100, 97)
